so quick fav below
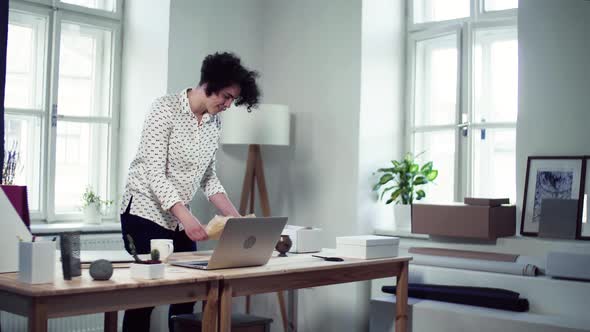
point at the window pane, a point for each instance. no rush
(491, 5)
(81, 159)
(108, 5)
(84, 70)
(438, 147)
(440, 10)
(23, 134)
(494, 163)
(25, 58)
(435, 96)
(495, 75)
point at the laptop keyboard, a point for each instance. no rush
(204, 263)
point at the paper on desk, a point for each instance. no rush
(216, 225)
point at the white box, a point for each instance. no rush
(147, 271)
(36, 262)
(305, 239)
(367, 246)
(568, 265)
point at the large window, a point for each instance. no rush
(61, 92)
(462, 95)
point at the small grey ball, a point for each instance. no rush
(101, 269)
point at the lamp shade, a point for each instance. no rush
(266, 125)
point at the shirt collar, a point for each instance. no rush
(186, 107)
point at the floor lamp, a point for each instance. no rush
(266, 125)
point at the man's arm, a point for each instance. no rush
(193, 228)
(224, 205)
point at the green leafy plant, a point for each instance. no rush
(90, 197)
(403, 180)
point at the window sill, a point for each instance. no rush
(402, 234)
(60, 227)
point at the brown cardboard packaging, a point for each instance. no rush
(467, 221)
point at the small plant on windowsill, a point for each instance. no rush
(92, 206)
(145, 269)
(402, 183)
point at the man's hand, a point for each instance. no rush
(192, 227)
(194, 230)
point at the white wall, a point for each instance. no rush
(144, 72)
(554, 81)
(382, 104)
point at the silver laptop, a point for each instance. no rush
(244, 242)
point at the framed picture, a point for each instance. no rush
(584, 225)
(554, 178)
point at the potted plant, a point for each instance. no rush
(402, 184)
(92, 206)
(10, 167)
(150, 269)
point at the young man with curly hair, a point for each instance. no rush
(175, 158)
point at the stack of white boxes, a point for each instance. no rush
(367, 246)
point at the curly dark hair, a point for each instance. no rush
(221, 70)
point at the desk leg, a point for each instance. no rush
(110, 321)
(210, 308)
(38, 318)
(283, 308)
(225, 307)
(401, 299)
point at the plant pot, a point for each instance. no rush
(147, 271)
(92, 213)
(402, 217)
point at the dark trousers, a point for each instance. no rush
(142, 231)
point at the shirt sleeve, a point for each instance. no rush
(153, 148)
(210, 184)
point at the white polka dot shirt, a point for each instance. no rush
(176, 157)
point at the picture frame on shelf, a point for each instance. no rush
(552, 177)
(583, 230)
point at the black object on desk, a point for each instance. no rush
(329, 259)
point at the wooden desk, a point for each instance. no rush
(82, 295)
(302, 271)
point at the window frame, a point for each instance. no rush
(465, 28)
(411, 129)
(58, 12)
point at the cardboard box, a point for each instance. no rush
(367, 246)
(466, 221)
(305, 239)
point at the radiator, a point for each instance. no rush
(85, 323)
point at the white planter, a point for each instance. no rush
(36, 262)
(92, 213)
(147, 271)
(402, 217)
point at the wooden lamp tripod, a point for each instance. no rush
(268, 125)
(255, 176)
